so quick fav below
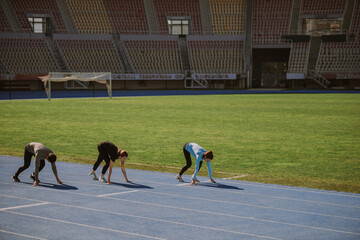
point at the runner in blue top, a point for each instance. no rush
(200, 155)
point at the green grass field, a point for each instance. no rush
(292, 139)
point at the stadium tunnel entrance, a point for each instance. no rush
(270, 67)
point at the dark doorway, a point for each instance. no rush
(270, 67)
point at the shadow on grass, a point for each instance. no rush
(132, 185)
(219, 185)
(54, 186)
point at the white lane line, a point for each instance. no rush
(238, 203)
(257, 195)
(263, 195)
(205, 212)
(250, 205)
(24, 206)
(22, 235)
(117, 193)
(182, 184)
(241, 193)
(222, 201)
(82, 225)
(241, 183)
(135, 216)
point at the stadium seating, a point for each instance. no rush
(49, 7)
(4, 25)
(298, 57)
(227, 17)
(271, 20)
(339, 57)
(26, 55)
(216, 56)
(90, 16)
(89, 55)
(318, 7)
(169, 8)
(153, 56)
(128, 17)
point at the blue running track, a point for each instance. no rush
(157, 206)
(4, 95)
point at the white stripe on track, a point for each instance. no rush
(117, 193)
(203, 212)
(135, 216)
(24, 206)
(22, 235)
(83, 225)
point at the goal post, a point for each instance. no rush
(99, 77)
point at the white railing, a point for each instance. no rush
(317, 77)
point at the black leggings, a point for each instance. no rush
(27, 160)
(188, 161)
(102, 156)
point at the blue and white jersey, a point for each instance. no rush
(197, 152)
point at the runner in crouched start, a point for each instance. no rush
(109, 152)
(41, 153)
(200, 155)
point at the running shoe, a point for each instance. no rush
(102, 179)
(33, 177)
(178, 177)
(196, 180)
(15, 178)
(93, 175)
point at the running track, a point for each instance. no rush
(5, 95)
(157, 206)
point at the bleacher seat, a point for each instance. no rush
(166, 8)
(153, 56)
(89, 55)
(49, 7)
(90, 16)
(298, 57)
(216, 56)
(271, 20)
(339, 57)
(322, 7)
(227, 17)
(26, 56)
(128, 17)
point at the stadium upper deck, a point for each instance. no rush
(315, 43)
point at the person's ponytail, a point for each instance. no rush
(209, 155)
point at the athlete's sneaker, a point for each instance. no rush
(15, 178)
(93, 175)
(102, 179)
(178, 177)
(33, 177)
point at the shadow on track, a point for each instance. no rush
(132, 185)
(219, 185)
(54, 186)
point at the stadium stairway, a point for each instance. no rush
(184, 53)
(60, 64)
(66, 16)
(10, 15)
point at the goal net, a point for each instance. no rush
(99, 77)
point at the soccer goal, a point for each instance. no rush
(100, 77)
